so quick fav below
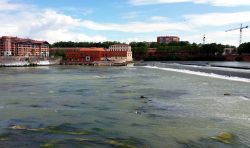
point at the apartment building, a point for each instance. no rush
(14, 46)
(167, 39)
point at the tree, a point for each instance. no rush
(212, 49)
(244, 48)
(139, 47)
(58, 53)
(84, 44)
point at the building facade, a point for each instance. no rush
(167, 39)
(84, 55)
(115, 54)
(228, 51)
(14, 46)
(119, 52)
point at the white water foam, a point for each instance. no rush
(213, 67)
(43, 63)
(245, 98)
(212, 75)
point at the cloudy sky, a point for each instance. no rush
(125, 20)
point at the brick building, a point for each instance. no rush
(14, 46)
(84, 55)
(167, 39)
(116, 54)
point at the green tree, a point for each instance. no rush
(244, 48)
(84, 44)
(58, 53)
(212, 49)
(139, 47)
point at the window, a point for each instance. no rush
(87, 58)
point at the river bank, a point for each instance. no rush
(28, 61)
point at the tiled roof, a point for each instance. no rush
(92, 49)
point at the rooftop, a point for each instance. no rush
(23, 40)
(92, 49)
(167, 36)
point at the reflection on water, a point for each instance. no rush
(120, 107)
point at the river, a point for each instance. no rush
(155, 105)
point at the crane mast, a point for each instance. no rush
(241, 31)
(204, 39)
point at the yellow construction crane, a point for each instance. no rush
(241, 29)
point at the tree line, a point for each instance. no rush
(207, 49)
(142, 47)
(83, 44)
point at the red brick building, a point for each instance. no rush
(120, 53)
(167, 39)
(84, 55)
(14, 46)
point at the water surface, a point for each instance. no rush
(153, 107)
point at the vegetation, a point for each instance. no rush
(139, 47)
(142, 47)
(226, 138)
(70, 44)
(207, 49)
(84, 44)
(244, 48)
(58, 53)
(211, 51)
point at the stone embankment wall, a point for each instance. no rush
(13, 61)
(28, 61)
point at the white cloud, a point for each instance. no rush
(159, 18)
(77, 11)
(65, 35)
(218, 19)
(228, 3)
(139, 38)
(230, 38)
(223, 21)
(5, 5)
(160, 24)
(44, 24)
(135, 27)
(131, 15)
(149, 2)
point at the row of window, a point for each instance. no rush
(118, 50)
(25, 45)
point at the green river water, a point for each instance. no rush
(79, 106)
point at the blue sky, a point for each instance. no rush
(125, 20)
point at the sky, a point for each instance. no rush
(125, 20)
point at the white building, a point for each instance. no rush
(120, 52)
(228, 51)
